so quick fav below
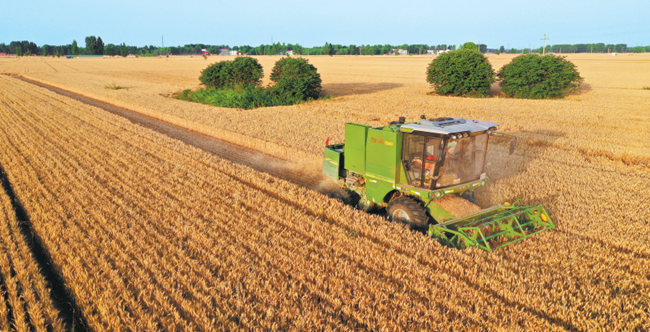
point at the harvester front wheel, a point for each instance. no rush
(407, 210)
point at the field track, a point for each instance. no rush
(260, 161)
(149, 233)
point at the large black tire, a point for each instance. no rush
(409, 211)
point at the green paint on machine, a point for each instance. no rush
(407, 167)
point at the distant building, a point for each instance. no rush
(205, 52)
(399, 51)
(225, 51)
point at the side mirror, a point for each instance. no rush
(423, 117)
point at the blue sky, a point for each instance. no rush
(519, 24)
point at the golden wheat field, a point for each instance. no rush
(149, 233)
(27, 303)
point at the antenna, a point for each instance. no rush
(544, 39)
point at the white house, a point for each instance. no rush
(225, 51)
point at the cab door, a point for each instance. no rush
(420, 157)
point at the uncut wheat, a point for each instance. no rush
(373, 269)
(25, 301)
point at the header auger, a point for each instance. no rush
(415, 170)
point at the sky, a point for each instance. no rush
(513, 24)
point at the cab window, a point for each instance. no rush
(420, 156)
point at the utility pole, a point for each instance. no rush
(544, 39)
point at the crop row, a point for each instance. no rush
(150, 233)
(25, 300)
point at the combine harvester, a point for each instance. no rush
(415, 169)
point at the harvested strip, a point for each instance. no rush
(152, 234)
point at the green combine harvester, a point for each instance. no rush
(410, 169)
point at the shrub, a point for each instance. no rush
(237, 84)
(213, 75)
(246, 98)
(464, 72)
(296, 79)
(241, 72)
(538, 77)
(246, 72)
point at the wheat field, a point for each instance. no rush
(150, 233)
(25, 300)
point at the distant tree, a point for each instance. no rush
(296, 78)
(482, 48)
(537, 77)
(469, 46)
(242, 72)
(99, 46)
(44, 50)
(123, 50)
(110, 49)
(75, 47)
(465, 72)
(502, 49)
(328, 49)
(94, 45)
(90, 44)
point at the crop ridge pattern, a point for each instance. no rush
(171, 230)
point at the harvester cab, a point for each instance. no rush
(424, 174)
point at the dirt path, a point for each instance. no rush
(284, 169)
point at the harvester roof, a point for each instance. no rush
(448, 126)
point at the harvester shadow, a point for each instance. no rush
(62, 297)
(348, 89)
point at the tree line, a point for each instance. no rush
(94, 45)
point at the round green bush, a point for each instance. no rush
(296, 78)
(537, 77)
(213, 75)
(241, 72)
(464, 72)
(246, 71)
